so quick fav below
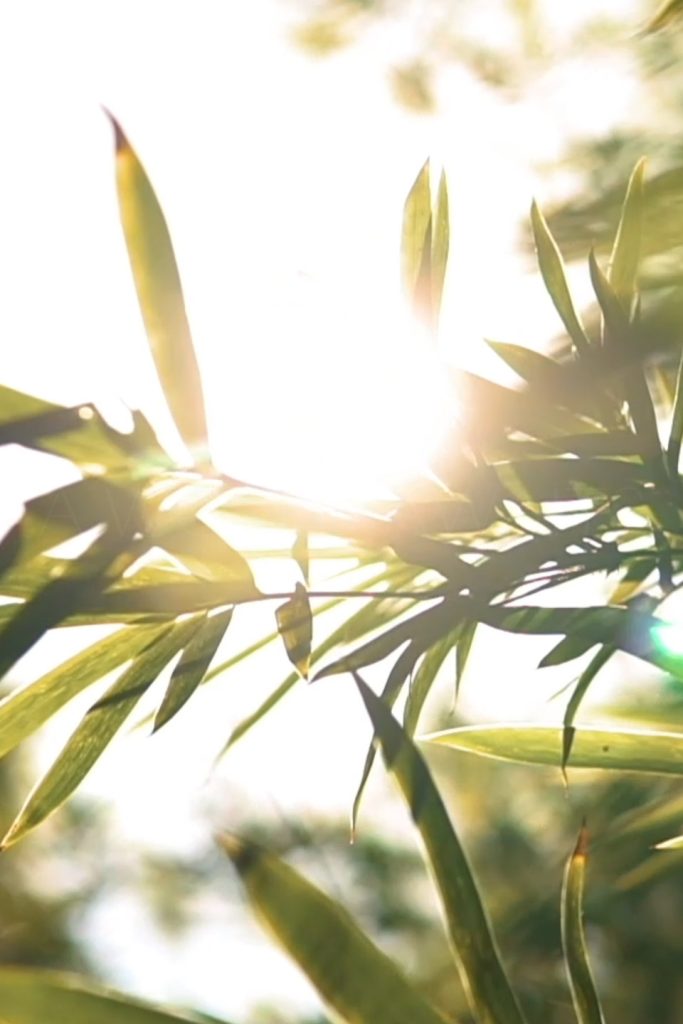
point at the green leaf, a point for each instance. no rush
(97, 729)
(160, 296)
(568, 649)
(551, 266)
(23, 712)
(193, 665)
(164, 600)
(359, 982)
(584, 995)
(481, 971)
(462, 652)
(660, 753)
(423, 679)
(416, 243)
(440, 247)
(29, 996)
(597, 662)
(295, 626)
(627, 243)
(204, 552)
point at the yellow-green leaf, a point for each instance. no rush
(584, 994)
(160, 295)
(551, 266)
(356, 979)
(193, 665)
(295, 625)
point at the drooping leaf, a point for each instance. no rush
(597, 662)
(630, 750)
(551, 266)
(30, 996)
(567, 649)
(584, 994)
(295, 625)
(193, 665)
(423, 679)
(481, 971)
(359, 982)
(97, 729)
(23, 712)
(462, 652)
(160, 295)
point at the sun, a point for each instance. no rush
(333, 397)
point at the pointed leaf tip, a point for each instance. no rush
(120, 140)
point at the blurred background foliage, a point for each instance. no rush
(518, 822)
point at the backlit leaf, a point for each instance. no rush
(552, 270)
(295, 625)
(357, 980)
(584, 994)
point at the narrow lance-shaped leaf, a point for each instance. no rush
(631, 750)
(667, 13)
(96, 730)
(295, 625)
(440, 248)
(193, 665)
(462, 652)
(23, 712)
(597, 662)
(160, 295)
(481, 971)
(29, 996)
(416, 244)
(424, 678)
(627, 243)
(357, 980)
(584, 994)
(551, 266)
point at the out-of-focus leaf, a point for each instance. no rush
(676, 843)
(205, 553)
(584, 994)
(632, 580)
(29, 996)
(462, 652)
(160, 295)
(481, 971)
(626, 250)
(567, 649)
(97, 729)
(629, 750)
(295, 625)
(301, 553)
(597, 662)
(193, 665)
(667, 13)
(23, 712)
(551, 266)
(164, 600)
(357, 980)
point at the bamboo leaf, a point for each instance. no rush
(669, 11)
(597, 662)
(584, 994)
(440, 247)
(627, 243)
(160, 295)
(630, 750)
(30, 996)
(96, 730)
(205, 553)
(423, 679)
(295, 626)
(481, 971)
(462, 652)
(357, 980)
(416, 244)
(551, 266)
(23, 712)
(567, 649)
(193, 665)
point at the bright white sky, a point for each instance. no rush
(283, 181)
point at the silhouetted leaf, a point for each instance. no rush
(295, 625)
(552, 269)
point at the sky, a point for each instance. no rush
(283, 180)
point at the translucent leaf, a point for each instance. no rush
(584, 994)
(359, 982)
(416, 241)
(193, 665)
(552, 270)
(440, 247)
(160, 295)
(667, 13)
(597, 662)
(295, 625)
(97, 729)
(481, 971)
(632, 750)
(627, 243)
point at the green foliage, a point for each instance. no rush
(562, 479)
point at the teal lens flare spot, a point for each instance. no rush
(668, 639)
